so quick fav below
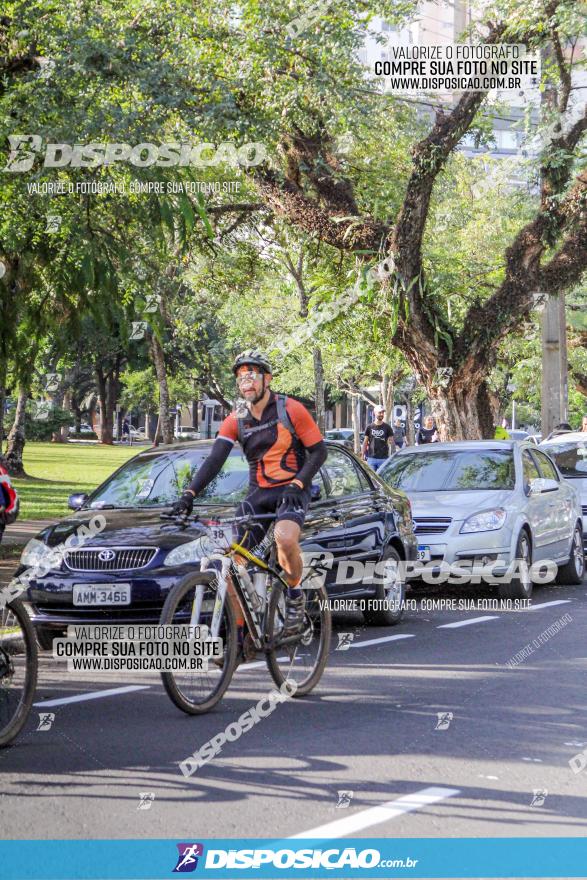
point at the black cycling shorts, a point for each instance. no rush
(269, 501)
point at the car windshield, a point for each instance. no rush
(446, 471)
(571, 457)
(157, 479)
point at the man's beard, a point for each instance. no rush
(258, 396)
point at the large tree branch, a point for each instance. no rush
(554, 172)
(429, 157)
(525, 276)
(563, 70)
(321, 167)
(338, 229)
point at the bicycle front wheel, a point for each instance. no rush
(300, 661)
(196, 692)
(18, 670)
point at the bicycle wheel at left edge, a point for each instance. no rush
(196, 692)
(18, 670)
(300, 661)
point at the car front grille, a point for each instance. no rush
(431, 525)
(123, 558)
(584, 509)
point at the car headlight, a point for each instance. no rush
(35, 553)
(192, 551)
(486, 521)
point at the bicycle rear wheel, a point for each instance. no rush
(302, 661)
(18, 670)
(197, 692)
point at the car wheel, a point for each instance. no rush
(389, 597)
(45, 636)
(572, 572)
(520, 587)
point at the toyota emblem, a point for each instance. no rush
(106, 555)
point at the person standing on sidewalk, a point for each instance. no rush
(427, 434)
(399, 434)
(378, 444)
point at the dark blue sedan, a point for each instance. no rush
(123, 574)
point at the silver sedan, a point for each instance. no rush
(491, 503)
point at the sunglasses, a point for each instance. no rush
(250, 375)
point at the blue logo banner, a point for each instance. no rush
(339, 858)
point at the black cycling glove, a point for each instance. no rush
(184, 505)
(292, 498)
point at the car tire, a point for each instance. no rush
(392, 589)
(573, 571)
(46, 635)
(520, 587)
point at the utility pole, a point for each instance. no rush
(554, 364)
(554, 400)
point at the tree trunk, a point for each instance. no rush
(462, 411)
(2, 404)
(410, 421)
(355, 423)
(64, 430)
(387, 395)
(158, 356)
(77, 416)
(319, 389)
(16, 437)
(106, 414)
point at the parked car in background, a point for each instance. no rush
(187, 433)
(84, 429)
(491, 501)
(124, 573)
(343, 436)
(569, 452)
(517, 435)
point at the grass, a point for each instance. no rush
(57, 470)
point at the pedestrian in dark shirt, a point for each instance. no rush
(427, 434)
(399, 434)
(378, 442)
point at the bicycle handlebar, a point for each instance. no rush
(185, 518)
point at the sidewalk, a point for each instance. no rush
(23, 530)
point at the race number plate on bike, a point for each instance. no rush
(101, 594)
(423, 553)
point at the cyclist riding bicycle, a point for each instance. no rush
(285, 449)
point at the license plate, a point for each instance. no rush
(101, 594)
(423, 553)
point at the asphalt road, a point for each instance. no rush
(498, 767)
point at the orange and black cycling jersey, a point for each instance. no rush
(275, 455)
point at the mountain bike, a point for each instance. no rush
(18, 669)
(202, 599)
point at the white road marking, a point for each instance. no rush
(547, 605)
(467, 622)
(380, 641)
(377, 815)
(93, 695)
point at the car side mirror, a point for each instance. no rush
(315, 492)
(77, 500)
(541, 485)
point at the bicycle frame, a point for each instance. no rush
(254, 617)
